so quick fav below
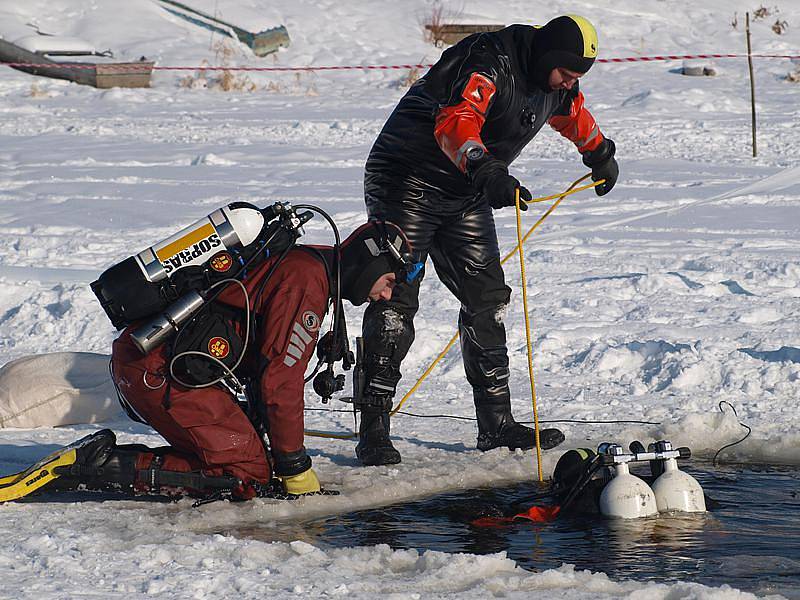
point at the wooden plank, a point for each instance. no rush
(126, 75)
(467, 27)
(103, 75)
(452, 33)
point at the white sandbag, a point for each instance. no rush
(63, 388)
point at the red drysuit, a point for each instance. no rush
(206, 428)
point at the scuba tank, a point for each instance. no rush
(626, 495)
(168, 280)
(138, 286)
(233, 226)
(675, 489)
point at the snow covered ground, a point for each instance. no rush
(678, 290)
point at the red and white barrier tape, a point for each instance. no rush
(691, 56)
(143, 68)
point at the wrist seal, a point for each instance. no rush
(290, 463)
(603, 153)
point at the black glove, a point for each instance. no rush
(604, 166)
(499, 188)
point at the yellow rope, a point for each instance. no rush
(568, 192)
(528, 335)
(427, 372)
(334, 436)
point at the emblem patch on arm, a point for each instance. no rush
(479, 91)
(301, 337)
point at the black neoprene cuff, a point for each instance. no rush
(604, 152)
(291, 463)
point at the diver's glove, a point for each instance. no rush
(604, 166)
(300, 484)
(491, 177)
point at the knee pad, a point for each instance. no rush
(485, 366)
(382, 374)
(387, 331)
(388, 335)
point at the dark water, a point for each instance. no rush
(750, 539)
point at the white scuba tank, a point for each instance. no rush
(627, 496)
(139, 287)
(232, 226)
(676, 490)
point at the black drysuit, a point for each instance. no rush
(484, 91)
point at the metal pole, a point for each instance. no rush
(752, 82)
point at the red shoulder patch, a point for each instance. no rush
(479, 91)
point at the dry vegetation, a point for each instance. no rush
(37, 92)
(761, 13)
(432, 27)
(410, 77)
(433, 23)
(779, 26)
(225, 78)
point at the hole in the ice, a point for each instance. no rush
(749, 539)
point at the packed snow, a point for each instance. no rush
(678, 290)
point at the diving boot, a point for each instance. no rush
(99, 465)
(514, 435)
(497, 427)
(374, 446)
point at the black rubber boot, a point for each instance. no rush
(515, 435)
(100, 465)
(381, 372)
(374, 446)
(497, 427)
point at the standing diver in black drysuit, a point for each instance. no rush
(437, 169)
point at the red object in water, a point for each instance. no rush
(491, 521)
(539, 514)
